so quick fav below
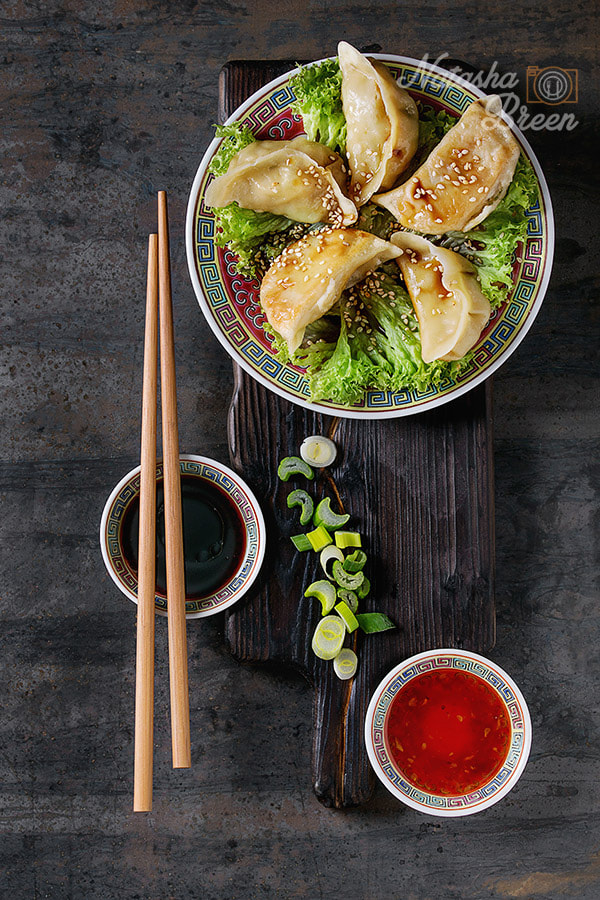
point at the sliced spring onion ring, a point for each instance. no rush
(328, 637)
(318, 451)
(355, 561)
(301, 498)
(346, 579)
(345, 539)
(345, 663)
(327, 554)
(325, 593)
(324, 515)
(293, 465)
(349, 597)
(363, 589)
(319, 538)
(301, 542)
(346, 614)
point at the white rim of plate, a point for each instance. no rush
(457, 811)
(333, 410)
(256, 510)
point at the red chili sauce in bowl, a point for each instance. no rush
(448, 732)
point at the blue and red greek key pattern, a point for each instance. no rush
(231, 302)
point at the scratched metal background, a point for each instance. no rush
(102, 105)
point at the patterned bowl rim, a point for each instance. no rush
(392, 778)
(419, 404)
(241, 580)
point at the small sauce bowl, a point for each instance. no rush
(418, 678)
(212, 490)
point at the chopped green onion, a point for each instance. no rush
(329, 637)
(328, 553)
(355, 561)
(324, 591)
(301, 542)
(363, 590)
(344, 539)
(324, 515)
(349, 597)
(345, 663)
(318, 450)
(293, 465)
(346, 579)
(301, 498)
(319, 538)
(344, 611)
(374, 622)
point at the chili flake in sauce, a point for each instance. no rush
(448, 732)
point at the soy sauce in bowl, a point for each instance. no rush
(214, 537)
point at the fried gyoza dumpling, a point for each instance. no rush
(445, 293)
(382, 122)
(310, 275)
(299, 179)
(463, 179)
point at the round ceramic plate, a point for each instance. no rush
(377, 741)
(125, 576)
(231, 303)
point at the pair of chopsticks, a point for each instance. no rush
(159, 307)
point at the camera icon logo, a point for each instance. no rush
(552, 85)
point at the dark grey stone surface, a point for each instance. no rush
(103, 104)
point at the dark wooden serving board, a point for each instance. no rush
(420, 490)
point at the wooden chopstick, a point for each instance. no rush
(178, 666)
(144, 678)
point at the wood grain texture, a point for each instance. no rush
(420, 490)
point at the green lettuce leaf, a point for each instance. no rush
(252, 236)
(318, 93)
(377, 220)
(235, 138)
